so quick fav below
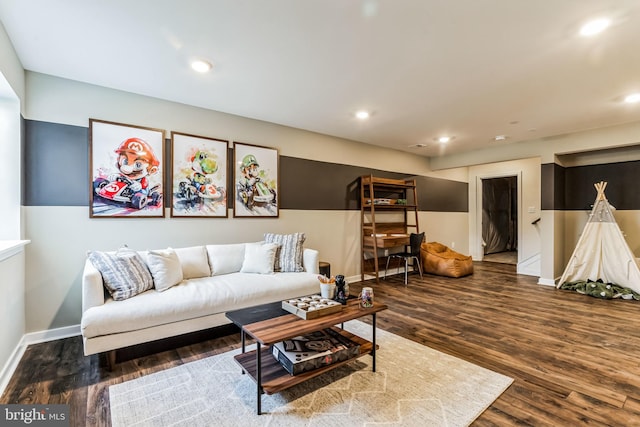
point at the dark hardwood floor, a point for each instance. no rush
(575, 359)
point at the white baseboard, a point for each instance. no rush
(11, 365)
(381, 275)
(51, 334)
(546, 282)
(530, 266)
(28, 339)
(355, 279)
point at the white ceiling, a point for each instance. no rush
(473, 69)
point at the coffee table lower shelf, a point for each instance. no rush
(275, 378)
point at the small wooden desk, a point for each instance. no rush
(391, 240)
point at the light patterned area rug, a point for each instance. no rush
(413, 385)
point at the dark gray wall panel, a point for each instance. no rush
(56, 171)
(572, 188)
(622, 185)
(314, 185)
(442, 195)
(552, 187)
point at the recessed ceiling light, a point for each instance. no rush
(594, 27)
(417, 146)
(201, 65)
(500, 137)
(362, 115)
(632, 98)
(444, 139)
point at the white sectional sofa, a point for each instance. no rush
(192, 289)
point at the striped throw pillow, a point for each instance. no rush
(289, 253)
(124, 272)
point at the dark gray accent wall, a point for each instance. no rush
(56, 165)
(56, 173)
(552, 187)
(442, 195)
(314, 185)
(572, 188)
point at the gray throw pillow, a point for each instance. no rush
(124, 273)
(289, 253)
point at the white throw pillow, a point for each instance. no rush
(165, 268)
(225, 259)
(194, 262)
(289, 254)
(259, 258)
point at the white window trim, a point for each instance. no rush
(9, 248)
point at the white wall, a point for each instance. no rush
(61, 235)
(12, 269)
(12, 311)
(624, 135)
(10, 65)
(57, 253)
(64, 101)
(10, 166)
(556, 234)
(528, 173)
(449, 228)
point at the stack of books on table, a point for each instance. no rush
(314, 350)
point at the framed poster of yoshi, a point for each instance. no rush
(198, 176)
(126, 165)
(255, 181)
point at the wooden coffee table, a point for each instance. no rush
(268, 324)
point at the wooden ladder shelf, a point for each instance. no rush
(388, 214)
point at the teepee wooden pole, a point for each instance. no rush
(600, 186)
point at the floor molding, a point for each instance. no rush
(29, 339)
(51, 334)
(547, 282)
(11, 365)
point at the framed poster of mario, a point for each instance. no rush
(127, 170)
(255, 181)
(198, 176)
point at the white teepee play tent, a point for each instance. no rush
(602, 252)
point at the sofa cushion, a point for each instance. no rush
(259, 258)
(124, 272)
(194, 262)
(193, 299)
(289, 255)
(165, 268)
(225, 259)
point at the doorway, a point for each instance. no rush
(500, 219)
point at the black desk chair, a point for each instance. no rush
(415, 240)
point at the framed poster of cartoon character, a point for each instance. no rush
(255, 181)
(126, 169)
(198, 176)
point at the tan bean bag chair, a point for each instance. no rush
(439, 259)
